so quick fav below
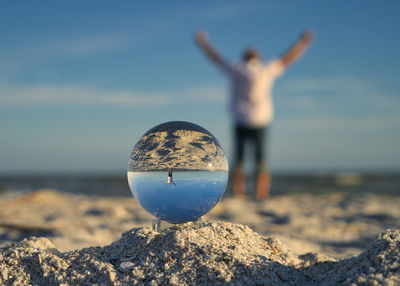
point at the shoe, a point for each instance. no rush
(263, 186)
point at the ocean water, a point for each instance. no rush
(193, 195)
(112, 185)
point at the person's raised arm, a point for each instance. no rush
(202, 41)
(297, 50)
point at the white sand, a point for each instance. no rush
(333, 225)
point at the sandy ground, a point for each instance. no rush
(298, 239)
(336, 225)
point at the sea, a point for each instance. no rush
(116, 185)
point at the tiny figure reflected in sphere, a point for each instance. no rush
(169, 179)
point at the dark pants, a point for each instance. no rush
(256, 137)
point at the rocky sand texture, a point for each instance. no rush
(196, 253)
(179, 145)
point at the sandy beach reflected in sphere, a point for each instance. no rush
(178, 171)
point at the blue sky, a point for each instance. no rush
(81, 81)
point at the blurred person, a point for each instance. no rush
(251, 104)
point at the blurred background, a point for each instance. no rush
(81, 81)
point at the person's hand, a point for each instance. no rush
(201, 37)
(307, 36)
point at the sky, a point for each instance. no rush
(81, 81)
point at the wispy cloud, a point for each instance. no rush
(75, 95)
(337, 94)
(86, 95)
(84, 45)
(361, 124)
(43, 51)
(346, 120)
(68, 45)
(339, 84)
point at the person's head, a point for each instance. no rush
(250, 54)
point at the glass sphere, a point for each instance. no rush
(177, 171)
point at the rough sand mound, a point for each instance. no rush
(212, 252)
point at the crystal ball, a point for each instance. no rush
(178, 171)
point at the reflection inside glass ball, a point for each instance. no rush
(178, 171)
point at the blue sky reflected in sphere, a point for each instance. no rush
(178, 171)
(195, 193)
